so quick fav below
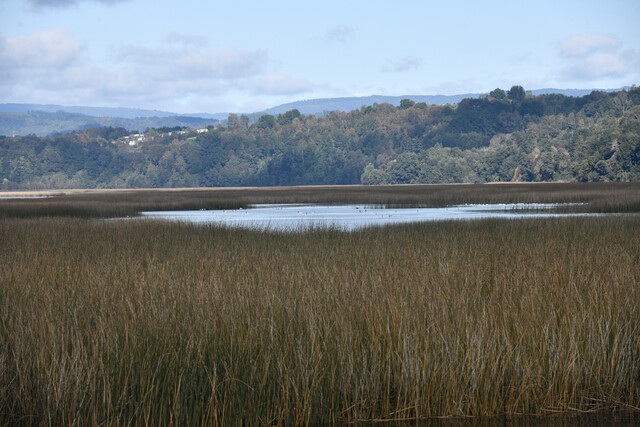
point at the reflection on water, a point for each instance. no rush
(23, 197)
(348, 217)
(609, 419)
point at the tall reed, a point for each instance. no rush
(162, 323)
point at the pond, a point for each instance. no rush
(284, 217)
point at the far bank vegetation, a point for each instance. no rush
(506, 136)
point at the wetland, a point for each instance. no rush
(119, 322)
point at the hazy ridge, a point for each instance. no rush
(48, 119)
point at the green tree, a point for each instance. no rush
(266, 121)
(22, 170)
(233, 122)
(244, 121)
(52, 159)
(516, 93)
(372, 176)
(287, 118)
(498, 94)
(406, 103)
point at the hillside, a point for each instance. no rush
(30, 121)
(506, 136)
(126, 113)
(43, 123)
(324, 105)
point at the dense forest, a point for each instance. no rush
(504, 136)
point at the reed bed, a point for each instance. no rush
(146, 322)
(615, 197)
(115, 204)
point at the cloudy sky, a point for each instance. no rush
(245, 55)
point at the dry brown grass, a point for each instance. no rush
(151, 322)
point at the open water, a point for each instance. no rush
(349, 217)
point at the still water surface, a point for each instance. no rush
(24, 197)
(348, 217)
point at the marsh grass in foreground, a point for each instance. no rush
(586, 197)
(161, 323)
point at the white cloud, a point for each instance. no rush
(121, 86)
(586, 44)
(592, 57)
(41, 4)
(53, 67)
(278, 84)
(340, 33)
(176, 64)
(185, 39)
(48, 49)
(404, 64)
(600, 65)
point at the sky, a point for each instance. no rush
(193, 56)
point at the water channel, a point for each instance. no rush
(287, 217)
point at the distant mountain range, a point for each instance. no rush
(42, 123)
(41, 119)
(324, 105)
(125, 113)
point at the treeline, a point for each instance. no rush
(505, 136)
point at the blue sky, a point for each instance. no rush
(243, 56)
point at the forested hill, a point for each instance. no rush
(506, 136)
(49, 123)
(322, 105)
